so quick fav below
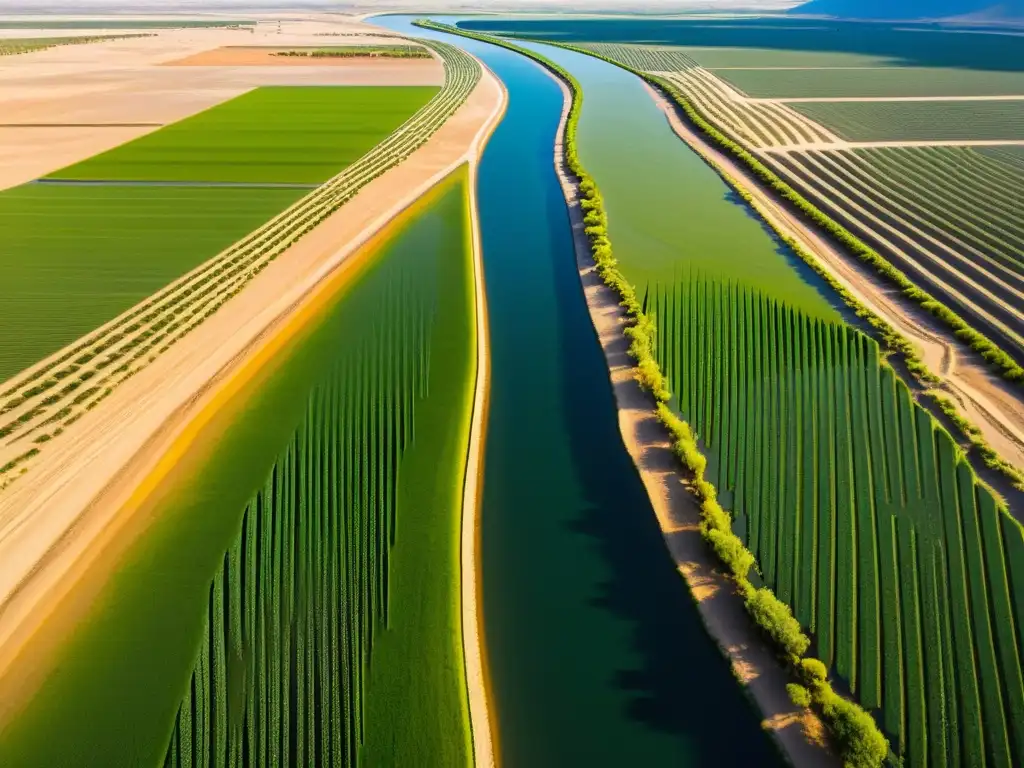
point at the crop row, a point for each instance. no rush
(801, 426)
(883, 209)
(918, 120)
(282, 673)
(38, 404)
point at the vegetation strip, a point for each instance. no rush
(997, 357)
(892, 339)
(852, 728)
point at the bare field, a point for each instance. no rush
(64, 104)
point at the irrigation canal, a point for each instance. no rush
(597, 654)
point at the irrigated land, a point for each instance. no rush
(86, 474)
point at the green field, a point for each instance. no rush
(888, 81)
(72, 258)
(276, 134)
(315, 519)
(919, 120)
(11, 46)
(863, 515)
(713, 58)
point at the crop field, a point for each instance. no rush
(946, 216)
(906, 202)
(75, 257)
(360, 51)
(285, 134)
(315, 585)
(862, 513)
(918, 120)
(297, 601)
(50, 396)
(879, 81)
(719, 57)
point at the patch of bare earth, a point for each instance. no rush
(797, 731)
(63, 525)
(64, 104)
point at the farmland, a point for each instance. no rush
(34, 399)
(972, 280)
(299, 135)
(878, 534)
(918, 120)
(352, 443)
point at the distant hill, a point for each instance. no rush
(995, 10)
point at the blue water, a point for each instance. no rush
(596, 650)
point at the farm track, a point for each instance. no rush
(38, 404)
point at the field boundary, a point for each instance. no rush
(853, 730)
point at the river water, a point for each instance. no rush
(596, 651)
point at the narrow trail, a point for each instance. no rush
(986, 401)
(798, 733)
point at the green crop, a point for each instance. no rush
(296, 599)
(280, 134)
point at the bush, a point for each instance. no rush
(813, 672)
(775, 618)
(799, 695)
(854, 732)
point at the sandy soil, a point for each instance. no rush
(57, 528)
(987, 401)
(76, 90)
(797, 731)
(478, 684)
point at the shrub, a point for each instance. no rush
(799, 695)
(855, 733)
(776, 619)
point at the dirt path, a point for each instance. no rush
(987, 401)
(58, 524)
(481, 718)
(798, 732)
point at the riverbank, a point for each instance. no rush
(63, 523)
(797, 731)
(481, 716)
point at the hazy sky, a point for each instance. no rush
(193, 6)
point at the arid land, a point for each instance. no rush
(67, 103)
